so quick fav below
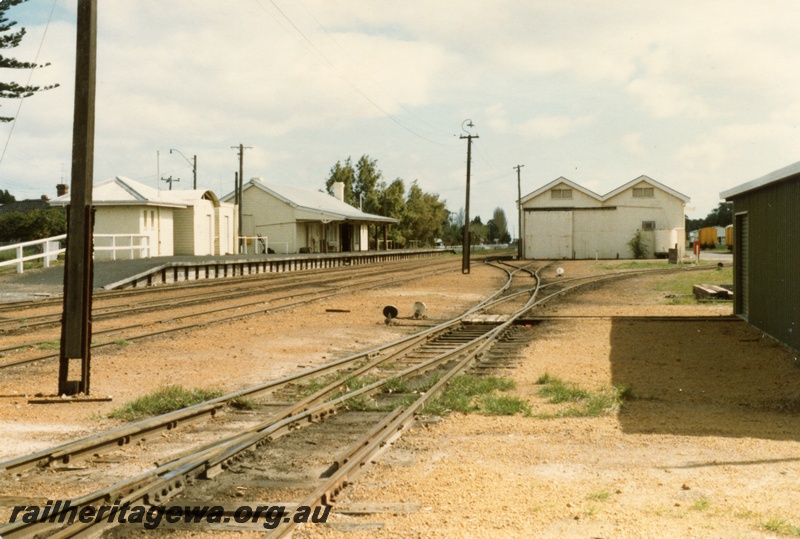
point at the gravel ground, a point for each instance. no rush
(706, 447)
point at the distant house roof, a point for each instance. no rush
(122, 191)
(603, 198)
(775, 176)
(325, 205)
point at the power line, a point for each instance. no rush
(341, 76)
(30, 76)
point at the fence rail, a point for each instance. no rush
(51, 248)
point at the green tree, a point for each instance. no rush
(6, 197)
(10, 39)
(345, 174)
(424, 215)
(498, 227)
(392, 204)
(365, 186)
(19, 226)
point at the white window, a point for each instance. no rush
(561, 193)
(648, 225)
(145, 219)
(643, 192)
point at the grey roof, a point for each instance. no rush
(324, 204)
(122, 191)
(775, 176)
(603, 198)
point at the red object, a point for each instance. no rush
(696, 247)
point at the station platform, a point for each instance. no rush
(120, 274)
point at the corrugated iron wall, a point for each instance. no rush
(773, 262)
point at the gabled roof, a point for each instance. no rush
(652, 182)
(608, 195)
(327, 207)
(774, 176)
(559, 180)
(122, 191)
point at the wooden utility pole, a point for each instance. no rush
(519, 214)
(466, 246)
(240, 182)
(76, 319)
(170, 180)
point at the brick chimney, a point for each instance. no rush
(62, 189)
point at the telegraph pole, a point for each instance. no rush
(76, 319)
(519, 214)
(170, 180)
(466, 246)
(239, 183)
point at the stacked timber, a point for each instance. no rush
(711, 291)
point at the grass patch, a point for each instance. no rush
(468, 394)
(581, 402)
(242, 403)
(122, 343)
(701, 504)
(161, 401)
(779, 525)
(49, 345)
(599, 496)
(681, 284)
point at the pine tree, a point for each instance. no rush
(8, 40)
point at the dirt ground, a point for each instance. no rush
(707, 446)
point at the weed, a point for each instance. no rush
(700, 504)
(558, 391)
(600, 496)
(49, 345)
(162, 401)
(504, 405)
(242, 403)
(121, 343)
(468, 393)
(586, 403)
(779, 525)
(544, 379)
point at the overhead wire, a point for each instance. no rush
(349, 82)
(30, 76)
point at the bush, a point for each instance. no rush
(33, 225)
(638, 245)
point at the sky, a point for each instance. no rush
(699, 95)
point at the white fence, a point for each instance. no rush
(132, 244)
(51, 248)
(122, 243)
(260, 244)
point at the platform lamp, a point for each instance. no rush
(192, 164)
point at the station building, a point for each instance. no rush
(564, 220)
(296, 220)
(157, 223)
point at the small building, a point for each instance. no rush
(294, 220)
(153, 222)
(565, 220)
(205, 226)
(766, 252)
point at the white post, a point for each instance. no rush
(131, 244)
(113, 247)
(46, 252)
(20, 264)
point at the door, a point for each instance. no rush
(548, 235)
(741, 279)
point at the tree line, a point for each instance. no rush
(422, 217)
(722, 215)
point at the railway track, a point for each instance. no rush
(345, 437)
(234, 302)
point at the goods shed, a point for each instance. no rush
(565, 220)
(296, 220)
(766, 252)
